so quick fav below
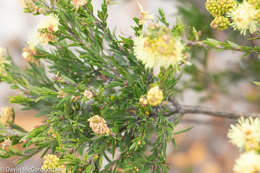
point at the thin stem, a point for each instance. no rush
(187, 109)
(10, 132)
(224, 46)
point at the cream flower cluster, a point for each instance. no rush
(29, 52)
(154, 97)
(88, 94)
(159, 48)
(78, 3)
(52, 164)
(44, 35)
(243, 16)
(145, 16)
(99, 125)
(246, 135)
(248, 162)
(7, 116)
(47, 28)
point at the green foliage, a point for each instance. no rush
(87, 56)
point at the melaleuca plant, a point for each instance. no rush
(109, 100)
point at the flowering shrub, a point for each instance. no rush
(109, 100)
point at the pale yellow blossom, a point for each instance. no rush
(248, 163)
(46, 29)
(159, 48)
(246, 134)
(244, 18)
(29, 52)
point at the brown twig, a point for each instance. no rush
(186, 109)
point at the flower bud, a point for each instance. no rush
(7, 116)
(6, 144)
(98, 125)
(219, 7)
(88, 94)
(155, 96)
(143, 101)
(220, 23)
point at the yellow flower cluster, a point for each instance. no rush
(99, 125)
(47, 28)
(52, 164)
(219, 7)
(154, 97)
(7, 116)
(78, 3)
(29, 52)
(246, 135)
(159, 48)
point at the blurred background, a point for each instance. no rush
(223, 80)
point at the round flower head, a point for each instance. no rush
(46, 29)
(143, 101)
(219, 7)
(248, 162)
(246, 134)
(52, 163)
(98, 125)
(7, 116)
(51, 23)
(159, 48)
(155, 96)
(244, 18)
